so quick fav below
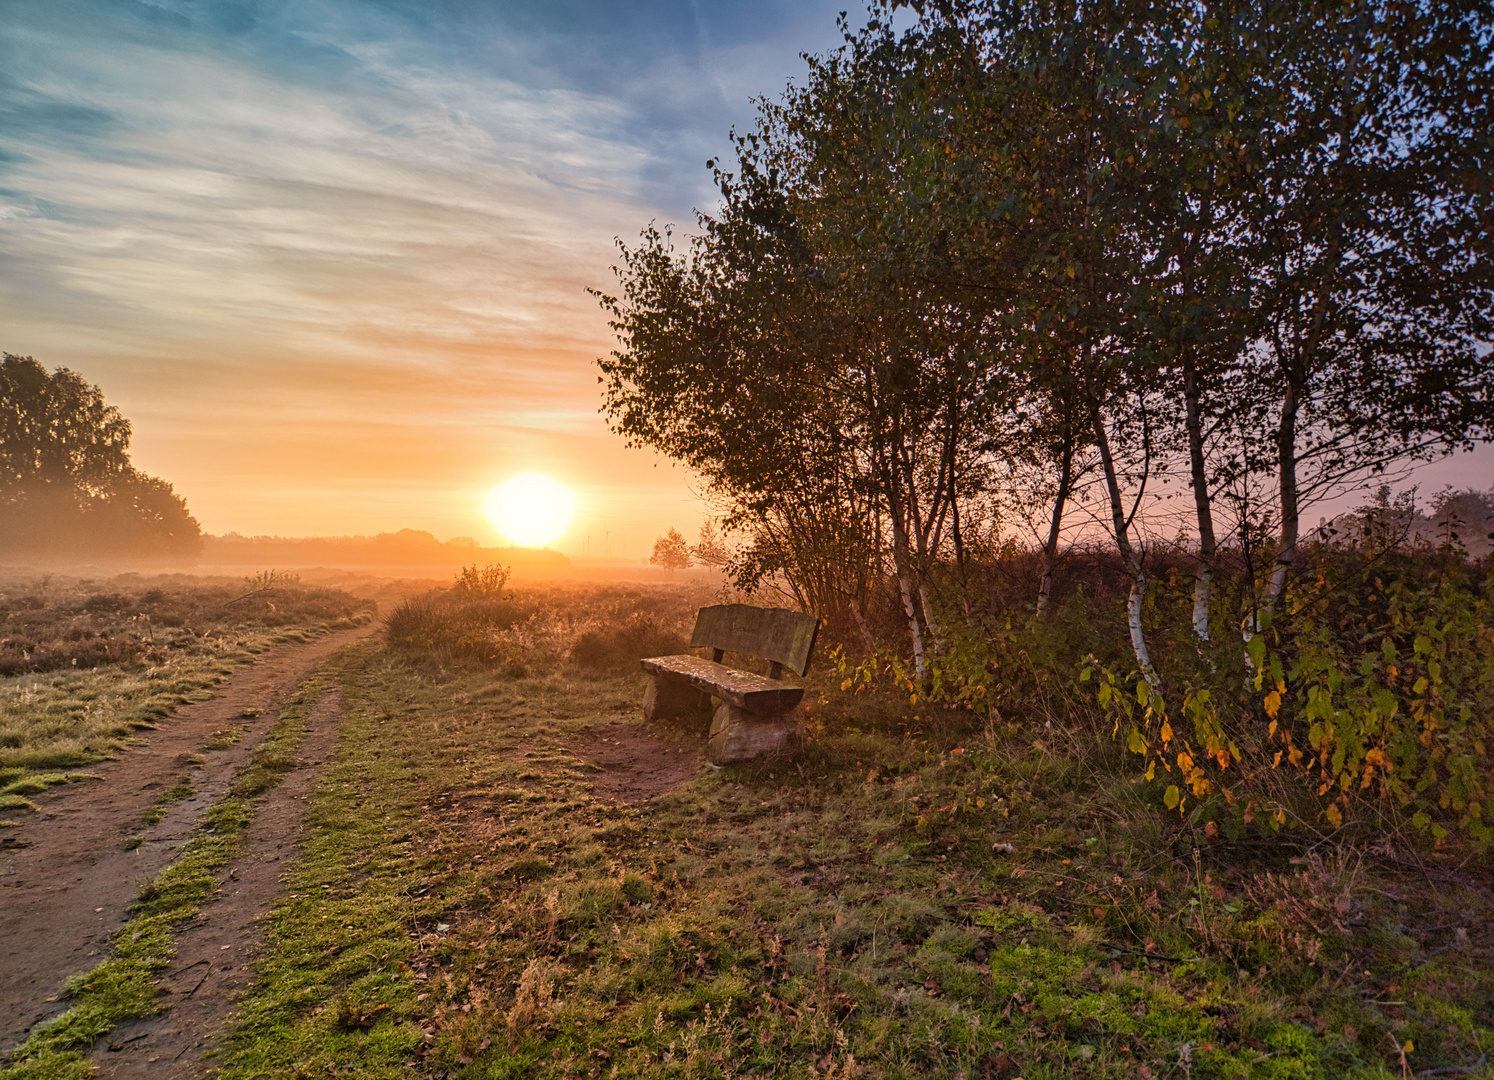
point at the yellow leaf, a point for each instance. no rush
(1166, 733)
(1273, 706)
(1172, 796)
(845, 684)
(1185, 761)
(1334, 817)
(1271, 730)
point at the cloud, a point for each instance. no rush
(354, 221)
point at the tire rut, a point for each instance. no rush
(214, 951)
(68, 873)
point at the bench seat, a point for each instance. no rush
(745, 689)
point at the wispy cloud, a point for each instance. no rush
(351, 224)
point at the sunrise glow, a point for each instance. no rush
(531, 510)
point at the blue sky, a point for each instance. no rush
(330, 256)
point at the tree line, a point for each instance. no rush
(1046, 263)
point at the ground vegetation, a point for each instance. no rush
(918, 890)
(87, 664)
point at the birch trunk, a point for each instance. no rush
(905, 585)
(920, 560)
(936, 628)
(1203, 582)
(866, 634)
(1286, 452)
(1129, 554)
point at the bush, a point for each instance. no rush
(621, 647)
(451, 626)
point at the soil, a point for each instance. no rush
(214, 951)
(639, 761)
(67, 876)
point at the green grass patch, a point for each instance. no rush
(127, 984)
(851, 910)
(179, 791)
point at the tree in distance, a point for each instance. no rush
(66, 483)
(711, 549)
(671, 552)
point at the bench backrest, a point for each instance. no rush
(777, 634)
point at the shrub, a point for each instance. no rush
(621, 647)
(450, 626)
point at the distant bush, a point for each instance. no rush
(621, 647)
(452, 626)
(481, 582)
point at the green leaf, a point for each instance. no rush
(1172, 796)
(1255, 648)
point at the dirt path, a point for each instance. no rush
(639, 761)
(212, 970)
(66, 877)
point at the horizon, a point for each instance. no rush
(330, 260)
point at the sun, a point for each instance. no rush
(531, 510)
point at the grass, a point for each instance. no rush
(905, 897)
(128, 983)
(56, 623)
(56, 721)
(916, 892)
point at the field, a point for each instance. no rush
(85, 665)
(505, 874)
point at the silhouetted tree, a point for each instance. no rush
(671, 552)
(66, 483)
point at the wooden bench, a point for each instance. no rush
(754, 713)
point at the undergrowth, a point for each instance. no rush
(908, 895)
(540, 627)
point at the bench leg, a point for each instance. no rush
(738, 735)
(664, 699)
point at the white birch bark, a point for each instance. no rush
(1129, 553)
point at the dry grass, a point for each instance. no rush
(596, 626)
(155, 645)
(52, 623)
(915, 893)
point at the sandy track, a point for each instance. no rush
(214, 951)
(637, 761)
(66, 879)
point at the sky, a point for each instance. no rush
(330, 257)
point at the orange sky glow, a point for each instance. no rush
(331, 260)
